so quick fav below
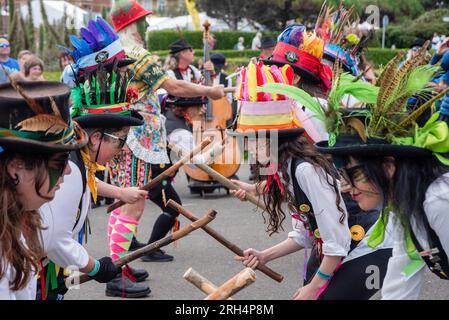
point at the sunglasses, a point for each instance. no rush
(4, 45)
(352, 175)
(122, 140)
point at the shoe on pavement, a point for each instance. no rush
(157, 256)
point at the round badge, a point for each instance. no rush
(101, 57)
(304, 208)
(291, 56)
(164, 182)
(357, 232)
(162, 165)
(316, 233)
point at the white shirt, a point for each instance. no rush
(335, 235)
(216, 82)
(188, 76)
(396, 285)
(28, 293)
(59, 216)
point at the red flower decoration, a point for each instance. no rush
(132, 94)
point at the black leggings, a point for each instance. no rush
(167, 219)
(356, 279)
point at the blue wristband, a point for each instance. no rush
(323, 275)
(95, 269)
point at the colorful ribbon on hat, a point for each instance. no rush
(433, 136)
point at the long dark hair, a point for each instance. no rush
(16, 223)
(406, 191)
(274, 198)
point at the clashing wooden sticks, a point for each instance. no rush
(152, 247)
(238, 282)
(228, 244)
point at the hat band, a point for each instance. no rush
(67, 137)
(115, 109)
(112, 51)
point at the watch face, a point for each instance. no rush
(291, 56)
(102, 57)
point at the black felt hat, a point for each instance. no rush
(179, 45)
(34, 122)
(267, 42)
(185, 102)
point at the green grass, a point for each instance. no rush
(52, 75)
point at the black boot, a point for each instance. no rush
(139, 274)
(135, 244)
(157, 256)
(123, 287)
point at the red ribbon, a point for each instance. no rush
(278, 181)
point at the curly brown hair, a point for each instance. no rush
(20, 230)
(274, 198)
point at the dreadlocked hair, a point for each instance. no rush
(274, 198)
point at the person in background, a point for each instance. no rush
(5, 60)
(23, 57)
(435, 41)
(240, 45)
(34, 69)
(219, 61)
(416, 45)
(267, 47)
(257, 42)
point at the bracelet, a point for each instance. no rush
(323, 275)
(95, 269)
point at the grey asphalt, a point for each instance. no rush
(235, 220)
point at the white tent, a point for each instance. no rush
(55, 12)
(185, 23)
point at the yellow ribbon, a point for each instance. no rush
(91, 168)
(433, 136)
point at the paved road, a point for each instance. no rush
(239, 223)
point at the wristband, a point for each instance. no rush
(95, 269)
(323, 275)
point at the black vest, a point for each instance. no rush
(305, 210)
(174, 122)
(437, 261)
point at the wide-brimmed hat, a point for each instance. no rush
(35, 117)
(179, 45)
(262, 114)
(126, 12)
(185, 102)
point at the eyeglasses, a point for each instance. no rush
(4, 45)
(122, 140)
(352, 175)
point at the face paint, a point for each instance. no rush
(56, 167)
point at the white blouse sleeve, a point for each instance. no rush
(436, 207)
(396, 285)
(59, 216)
(299, 234)
(335, 235)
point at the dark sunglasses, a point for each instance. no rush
(122, 140)
(353, 175)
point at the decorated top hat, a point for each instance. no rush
(126, 12)
(342, 42)
(303, 51)
(179, 45)
(263, 113)
(35, 117)
(99, 44)
(102, 96)
(386, 127)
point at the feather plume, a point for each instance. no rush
(91, 40)
(358, 126)
(55, 108)
(47, 123)
(110, 34)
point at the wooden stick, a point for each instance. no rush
(167, 173)
(229, 89)
(228, 244)
(200, 282)
(219, 177)
(238, 282)
(152, 247)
